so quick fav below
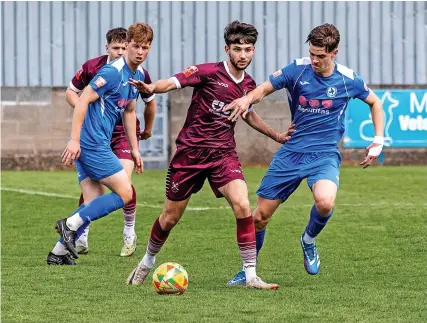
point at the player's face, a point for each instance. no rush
(116, 49)
(240, 55)
(137, 52)
(321, 61)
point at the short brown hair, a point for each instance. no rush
(118, 35)
(240, 33)
(140, 33)
(326, 36)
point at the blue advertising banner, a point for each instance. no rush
(405, 119)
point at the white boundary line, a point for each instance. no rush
(65, 196)
(29, 192)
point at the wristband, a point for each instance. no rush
(379, 140)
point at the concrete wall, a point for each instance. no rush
(35, 126)
(36, 123)
(256, 149)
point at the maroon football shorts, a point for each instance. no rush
(120, 147)
(190, 167)
(119, 142)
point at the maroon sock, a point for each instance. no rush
(157, 239)
(129, 210)
(81, 199)
(246, 241)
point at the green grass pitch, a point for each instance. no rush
(373, 255)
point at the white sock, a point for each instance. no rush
(129, 230)
(148, 260)
(250, 271)
(74, 222)
(84, 237)
(307, 239)
(59, 249)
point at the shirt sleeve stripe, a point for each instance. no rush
(178, 85)
(151, 98)
(72, 87)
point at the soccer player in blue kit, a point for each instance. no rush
(108, 97)
(318, 91)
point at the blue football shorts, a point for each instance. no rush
(97, 164)
(288, 169)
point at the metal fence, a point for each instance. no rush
(44, 43)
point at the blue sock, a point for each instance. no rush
(78, 210)
(259, 240)
(316, 222)
(101, 206)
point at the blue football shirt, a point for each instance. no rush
(317, 103)
(115, 94)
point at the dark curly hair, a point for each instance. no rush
(240, 33)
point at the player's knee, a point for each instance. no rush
(127, 194)
(324, 206)
(242, 208)
(261, 219)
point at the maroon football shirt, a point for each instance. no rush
(207, 124)
(86, 72)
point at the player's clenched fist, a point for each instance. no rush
(145, 135)
(71, 152)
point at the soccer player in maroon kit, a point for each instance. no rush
(206, 148)
(116, 47)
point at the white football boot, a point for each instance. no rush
(138, 275)
(129, 245)
(257, 283)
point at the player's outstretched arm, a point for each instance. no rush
(129, 123)
(72, 151)
(374, 149)
(149, 114)
(256, 122)
(241, 106)
(160, 86)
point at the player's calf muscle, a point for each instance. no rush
(168, 220)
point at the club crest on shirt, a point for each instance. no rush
(277, 73)
(331, 92)
(190, 70)
(100, 82)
